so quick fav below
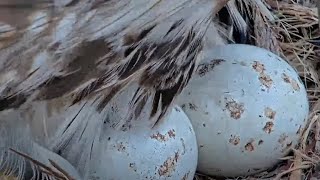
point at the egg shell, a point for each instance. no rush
(168, 151)
(111, 148)
(248, 107)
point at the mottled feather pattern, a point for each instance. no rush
(158, 63)
(85, 53)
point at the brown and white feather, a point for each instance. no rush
(89, 51)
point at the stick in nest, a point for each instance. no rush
(298, 165)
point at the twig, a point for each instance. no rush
(305, 156)
(278, 177)
(296, 174)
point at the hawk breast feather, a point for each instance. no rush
(104, 48)
(66, 64)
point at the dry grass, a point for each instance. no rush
(285, 28)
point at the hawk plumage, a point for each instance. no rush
(63, 61)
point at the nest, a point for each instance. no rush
(290, 29)
(286, 28)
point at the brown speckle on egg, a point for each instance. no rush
(263, 77)
(291, 81)
(164, 137)
(260, 142)
(172, 133)
(236, 109)
(183, 145)
(257, 66)
(193, 106)
(133, 166)
(206, 67)
(169, 166)
(159, 137)
(282, 138)
(265, 80)
(268, 127)
(249, 146)
(269, 113)
(235, 140)
(121, 147)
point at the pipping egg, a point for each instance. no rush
(248, 108)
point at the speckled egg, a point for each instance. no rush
(112, 148)
(107, 144)
(248, 107)
(168, 151)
